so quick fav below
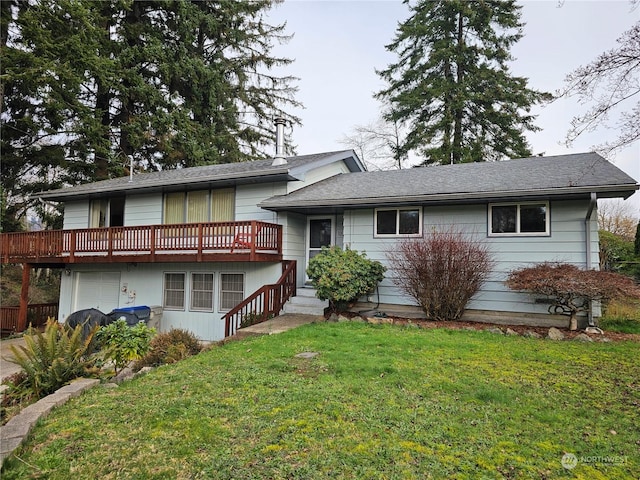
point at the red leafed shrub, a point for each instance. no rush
(570, 288)
(441, 271)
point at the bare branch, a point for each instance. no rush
(609, 83)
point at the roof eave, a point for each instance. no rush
(609, 191)
(261, 176)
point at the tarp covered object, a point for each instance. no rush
(88, 318)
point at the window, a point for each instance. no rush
(202, 292)
(173, 295)
(398, 221)
(99, 211)
(231, 290)
(199, 206)
(519, 219)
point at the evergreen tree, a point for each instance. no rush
(451, 84)
(31, 157)
(88, 87)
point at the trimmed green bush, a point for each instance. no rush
(343, 276)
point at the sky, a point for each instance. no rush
(338, 45)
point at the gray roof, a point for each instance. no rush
(569, 176)
(207, 176)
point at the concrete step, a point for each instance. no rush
(305, 302)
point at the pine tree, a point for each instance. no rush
(88, 87)
(165, 83)
(451, 84)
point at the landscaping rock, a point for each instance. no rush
(511, 332)
(594, 330)
(495, 330)
(342, 318)
(583, 337)
(124, 374)
(531, 334)
(307, 355)
(555, 334)
(379, 320)
(332, 318)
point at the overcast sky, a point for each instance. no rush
(337, 46)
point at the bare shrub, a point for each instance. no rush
(570, 288)
(441, 271)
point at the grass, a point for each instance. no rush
(622, 316)
(378, 402)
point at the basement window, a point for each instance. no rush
(231, 290)
(173, 294)
(202, 292)
(527, 219)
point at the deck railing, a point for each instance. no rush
(195, 238)
(37, 315)
(264, 303)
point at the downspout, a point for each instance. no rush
(589, 260)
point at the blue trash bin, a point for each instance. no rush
(132, 315)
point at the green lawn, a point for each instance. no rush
(378, 402)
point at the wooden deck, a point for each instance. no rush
(194, 242)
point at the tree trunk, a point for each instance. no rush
(573, 321)
(459, 107)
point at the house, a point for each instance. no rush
(198, 241)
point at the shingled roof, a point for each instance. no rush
(208, 176)
(569, 176)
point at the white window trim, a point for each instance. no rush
(213, 290)
(517, 233)
(184, 300)
(244, 288)
(396, 235)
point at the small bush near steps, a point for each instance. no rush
(343, 276)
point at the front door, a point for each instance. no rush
(320, 233)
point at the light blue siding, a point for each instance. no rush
(565, 244)
(146, 280)
(335, 168)
(248, 197)
(76, 215)
(294, 227)
(143, 210)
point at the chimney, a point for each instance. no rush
(279, 158)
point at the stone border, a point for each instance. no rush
(553, 333)
(16, 430)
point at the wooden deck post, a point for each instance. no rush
(24, 297)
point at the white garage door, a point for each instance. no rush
(99, 290)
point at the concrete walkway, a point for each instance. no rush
(8, 368)
(278, 324)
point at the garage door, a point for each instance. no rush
(96, 290)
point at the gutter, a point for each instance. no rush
(293, 204)
(588, 257)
